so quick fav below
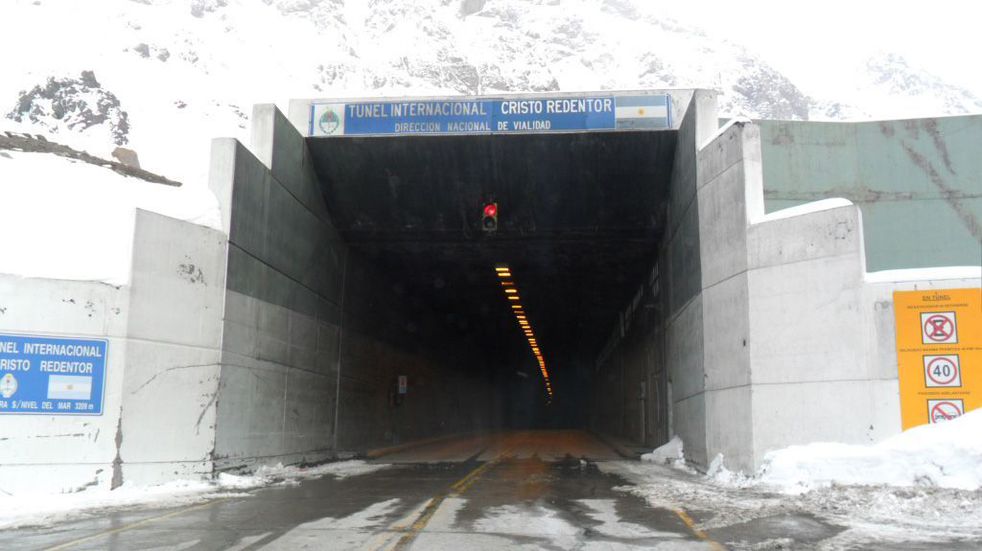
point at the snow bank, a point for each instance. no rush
(737, 120)
(40, 509)
(807, 208)
(925, 274)
(947, 455)
(265, 476)
(67, 219)
(718, 473)
(669, 452)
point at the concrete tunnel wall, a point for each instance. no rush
(223, 352)
(660, 344)
(303, 314)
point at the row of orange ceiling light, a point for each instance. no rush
(511, 293)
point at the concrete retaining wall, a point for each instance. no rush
(170, 382)
(162, 366)
(63, 453)
(770, 330)
(797, 344)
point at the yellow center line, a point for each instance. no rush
(691, 525)
(463, 484)
(457, 488)
(132, 525)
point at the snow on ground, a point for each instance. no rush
(536, 521)
(671, 453)
(74, 220)
(921, 484)
(612, 525)
(42, 509)
(942, 455)
(869, 514)
(264, 476)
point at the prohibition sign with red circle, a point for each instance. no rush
(934, 362)
(946, 410)
(939, 328)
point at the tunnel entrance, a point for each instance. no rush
(579, 223)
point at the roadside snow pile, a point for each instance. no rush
(67, 219)
(946, 455)
(922, 489)
(265, 476)
(671, 453)
(41, 509)
(719, 474)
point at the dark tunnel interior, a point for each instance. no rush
(580, 219)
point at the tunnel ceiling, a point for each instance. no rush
(580, 216)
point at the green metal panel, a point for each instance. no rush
(917, 182)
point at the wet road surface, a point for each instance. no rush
(520, 490)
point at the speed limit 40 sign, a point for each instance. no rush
(942, 371)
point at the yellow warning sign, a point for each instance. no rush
(939, 354)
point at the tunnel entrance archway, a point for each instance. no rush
(671, 307)
(580, 219)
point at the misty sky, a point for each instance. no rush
(811, 44)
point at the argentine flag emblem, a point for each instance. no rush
(642, 112)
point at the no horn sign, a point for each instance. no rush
(939, 328)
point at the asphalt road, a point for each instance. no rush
(524, 490)
(519, 490)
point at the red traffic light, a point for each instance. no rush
(489, 222)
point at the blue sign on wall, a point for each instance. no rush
(491, 116)
(52, 376)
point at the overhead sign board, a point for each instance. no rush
(491, 115)
(939, 354)
(52, 376)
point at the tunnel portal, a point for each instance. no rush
(353, 300)
(579, 219)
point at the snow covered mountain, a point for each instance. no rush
(163, 77)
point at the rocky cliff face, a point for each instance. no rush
(74, 104)
(174, 73)
(488, 46)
